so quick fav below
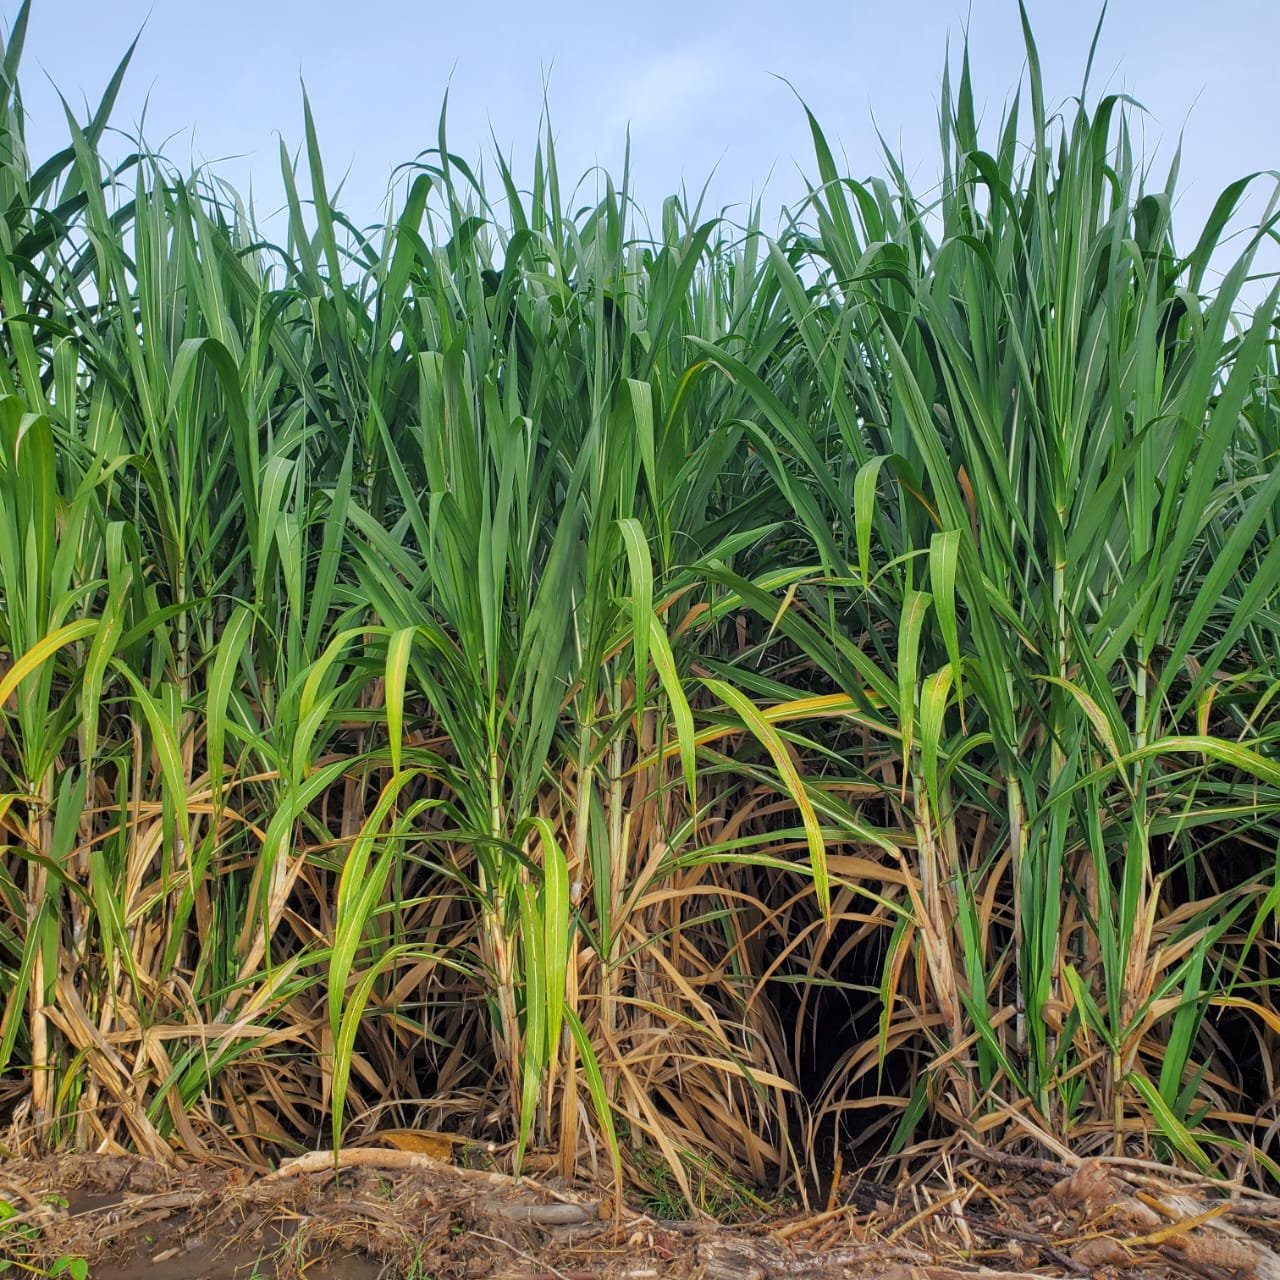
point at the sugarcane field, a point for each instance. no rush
(558, 735)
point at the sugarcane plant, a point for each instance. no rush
(518, 669)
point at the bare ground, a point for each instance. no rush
(400, 1215)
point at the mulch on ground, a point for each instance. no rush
(403, 1214)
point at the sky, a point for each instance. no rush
(706, 87)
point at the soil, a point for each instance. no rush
(400, 1215)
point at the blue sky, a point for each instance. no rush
(697, 82)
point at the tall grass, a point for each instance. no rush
(504, 670)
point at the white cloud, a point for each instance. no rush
(660, 91)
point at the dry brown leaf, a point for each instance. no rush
(425, 1142)
(1087, 1190)
(1101, 1253)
